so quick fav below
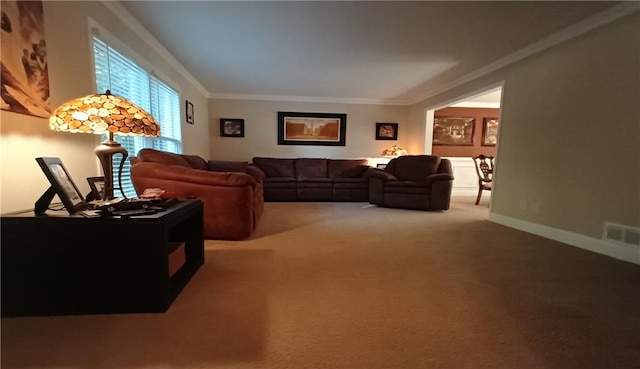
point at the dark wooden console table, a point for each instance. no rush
(61, 264)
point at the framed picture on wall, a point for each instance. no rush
(386, 131)
(454, 131)
(189, 111)
(326, 129)
(231, 127)
(490, 131)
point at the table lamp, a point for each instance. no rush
(393, 152)
(100, 114)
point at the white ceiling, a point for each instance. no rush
(369, 51)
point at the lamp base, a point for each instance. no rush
(105, 152)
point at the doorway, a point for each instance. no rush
(474, 120)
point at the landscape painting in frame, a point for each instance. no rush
(326, 129)
(25, 74)
(457, 131)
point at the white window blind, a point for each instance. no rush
(123, 77)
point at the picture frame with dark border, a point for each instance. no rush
(188, 111)
(231, 127)
(97, 187)
(323, 129)
(61, 185)
(387, 131)
(490, 131)
(453, 131)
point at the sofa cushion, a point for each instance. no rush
(355, 172)
(336, 166)
(227, 166)
(162, 157)
(315, 183)
(280, 183)
(311, 168)
(415, 167)
(275, 168)
(196, 161)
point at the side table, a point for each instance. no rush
(60, 264)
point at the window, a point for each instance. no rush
(125, 78)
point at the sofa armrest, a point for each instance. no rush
(438, 177)
(379, 173)
(256, 173)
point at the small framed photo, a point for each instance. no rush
(490, 131)
(231, 127)
(386, 131)
(381, 166)
(97, 187)
(189, 111)
(61, 185)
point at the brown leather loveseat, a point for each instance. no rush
(314, 179)
(231, 191)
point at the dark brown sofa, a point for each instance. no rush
(422, 182)
(231, 191)
(314, 179)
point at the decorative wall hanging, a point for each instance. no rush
(456, 131)
(231, 127)
(324, 129)
(490, 131)
(189, 111)
(386, 131)
(25, 73)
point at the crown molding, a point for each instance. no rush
(593, 22)
(135, 25)
(479, 105)
(333, 100)
(568, 33)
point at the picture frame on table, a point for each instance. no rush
(61, 185)
(231, 127)
(96, 184)
(453, 131)
(490, 131)
(387, 131)
(323, 129)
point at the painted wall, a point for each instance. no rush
(569, 142)
(261, 127)
(23, 138)
(467, 151)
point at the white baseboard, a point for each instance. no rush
(612, 249)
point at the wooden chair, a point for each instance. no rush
(484, 169)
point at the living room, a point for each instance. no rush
(529, 198)
(569, 136)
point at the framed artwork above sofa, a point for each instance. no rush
(325, 129)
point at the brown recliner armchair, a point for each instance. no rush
(231, 191)
(421, 182)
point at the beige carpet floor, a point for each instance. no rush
(348, 285)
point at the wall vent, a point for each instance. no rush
(621, 234)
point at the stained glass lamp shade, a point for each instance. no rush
(105, 114)
(394, 151)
